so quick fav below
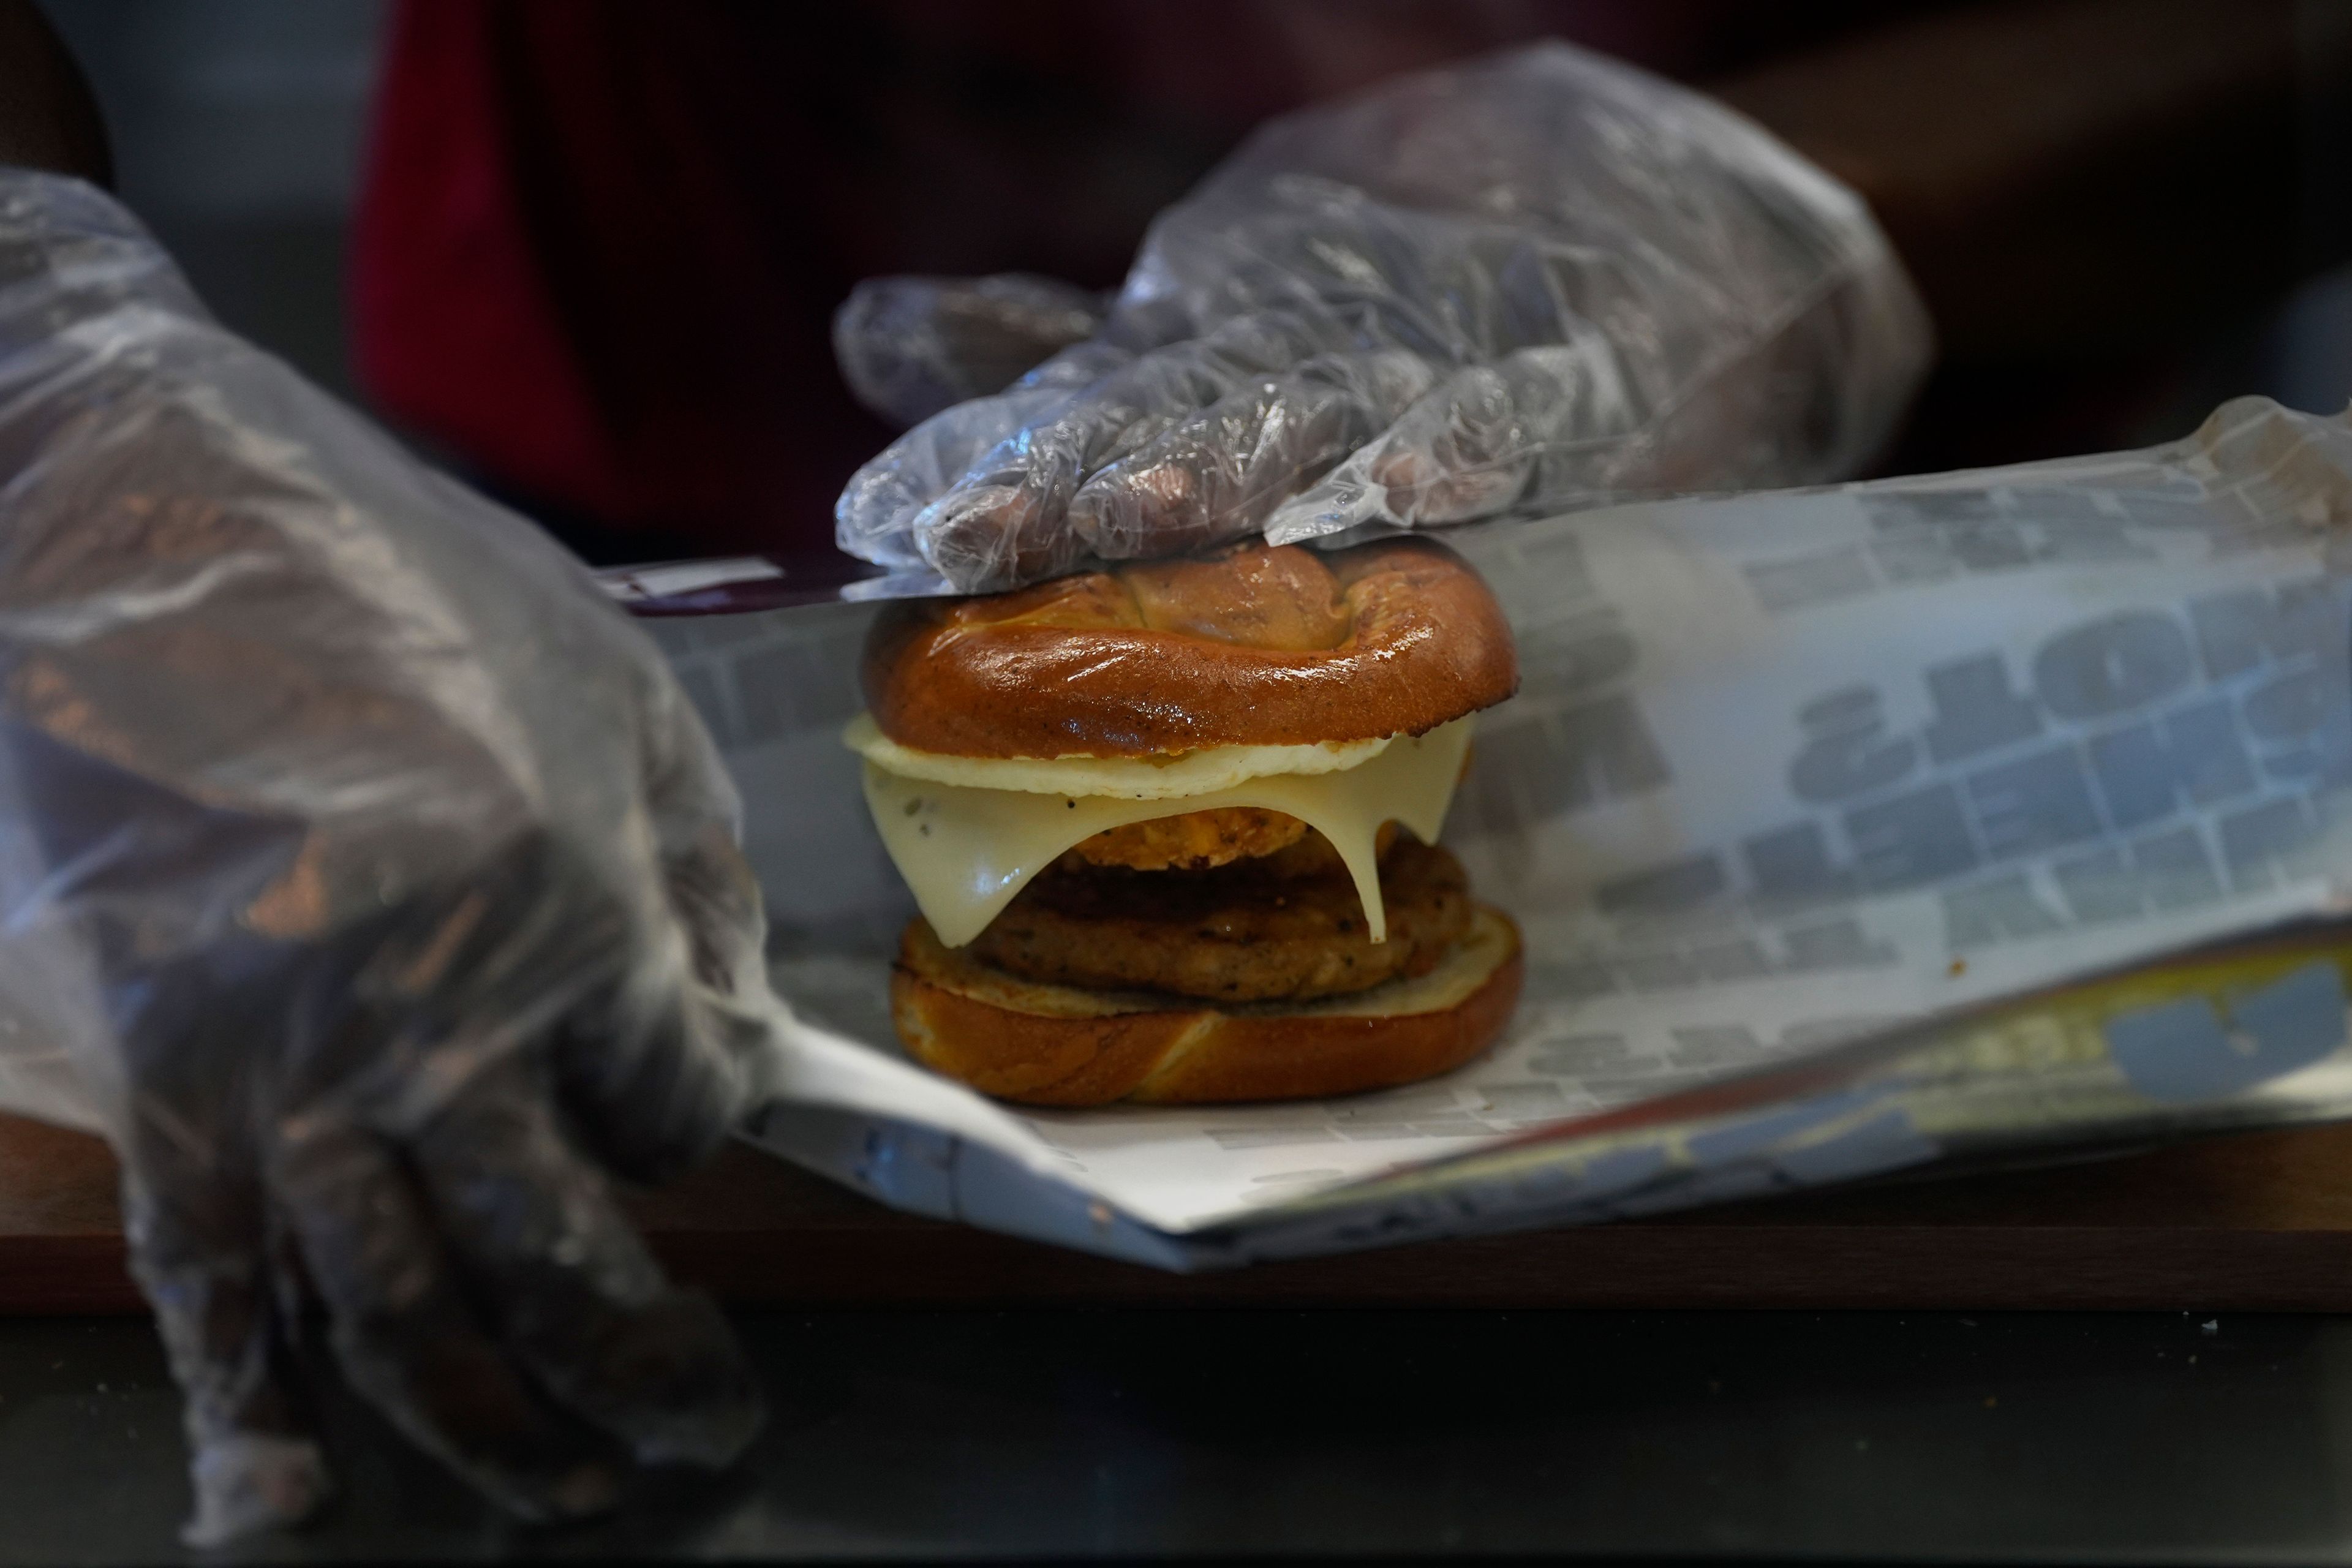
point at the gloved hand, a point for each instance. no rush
(379, 887)
(1537, 280)
(911, 346)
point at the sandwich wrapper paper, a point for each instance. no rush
(1845, 827)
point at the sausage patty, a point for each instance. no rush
(1238, 934)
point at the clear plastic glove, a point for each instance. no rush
(1538, 279)
(376, 885)
(911, 346)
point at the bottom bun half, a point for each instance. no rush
(1057, 1045)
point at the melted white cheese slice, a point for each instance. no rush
(1173, 777)
(965, 852)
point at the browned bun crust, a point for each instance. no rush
(1254, 646)
(1052, 1044)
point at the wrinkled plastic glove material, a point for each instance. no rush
(911, 346)
(371, 874)
(1541, 279)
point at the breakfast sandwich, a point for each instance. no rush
(1172, 828)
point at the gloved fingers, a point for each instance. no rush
(656, 1070)
(909, 347)
(1003, 531)
(656, 1067)
(1006, 521)
(710, 887)
(1468, 450)
(576, 1293)
(693, 811)
(199, 1251)
(874, 518)
(1548, 423)
(1138, 403)
(651, 1095)
(406, 1337)
(1217, 474)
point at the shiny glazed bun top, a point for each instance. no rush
(1251, 646)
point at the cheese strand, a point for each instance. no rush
(966, 852)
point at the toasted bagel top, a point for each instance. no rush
(1248, 647)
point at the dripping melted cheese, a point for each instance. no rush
(966, 851)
